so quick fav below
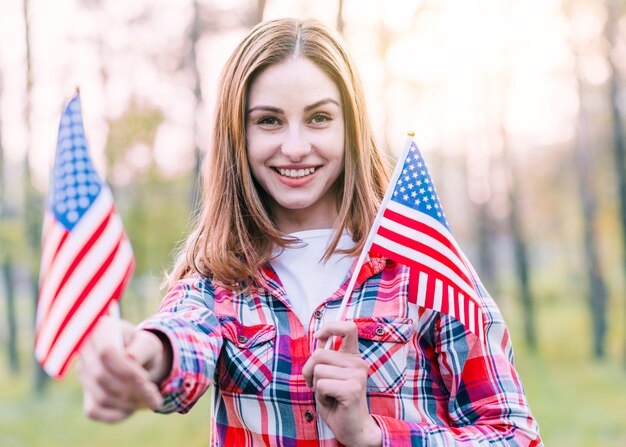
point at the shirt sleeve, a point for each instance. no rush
(186, 317)
(487, 405)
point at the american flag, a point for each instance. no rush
(414, 231)
(86, 258)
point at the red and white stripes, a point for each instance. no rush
(82, 272)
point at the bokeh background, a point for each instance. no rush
(518, 107)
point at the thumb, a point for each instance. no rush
(150, 352)
(147, 350)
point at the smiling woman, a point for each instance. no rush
(292, 186)
(295, 136)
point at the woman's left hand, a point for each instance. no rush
(339, 380)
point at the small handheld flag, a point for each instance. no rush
(411, 228)
(86, 258)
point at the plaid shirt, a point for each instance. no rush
(431, 381)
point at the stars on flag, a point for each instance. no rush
(421, 191)
(75, 184)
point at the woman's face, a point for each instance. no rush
(295, 142)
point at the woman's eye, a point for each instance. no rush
(320, 118)
(268, 121)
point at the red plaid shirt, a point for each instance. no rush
(431, 381)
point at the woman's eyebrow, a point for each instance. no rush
(321, 102)
(266, 109)
(316, 104)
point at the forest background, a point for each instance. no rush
(518, 107)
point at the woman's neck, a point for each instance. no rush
(310, 218)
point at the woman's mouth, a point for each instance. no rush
(295, 173)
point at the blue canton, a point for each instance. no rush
(416, 189)
(75, 183)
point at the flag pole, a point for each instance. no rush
(370, 237)
(116, 315)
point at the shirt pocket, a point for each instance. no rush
(246, 362)
(383, 343)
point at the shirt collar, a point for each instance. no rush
(268, 279)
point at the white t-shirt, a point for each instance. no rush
(307, 280)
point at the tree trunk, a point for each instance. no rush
(522, 268)
(597, 287)
(260, 10)
(7, 276)
(7, 271)
(195, 31)
(619, 149)
(486, 264)
(33, 202)
(340, 22)
(520, 250)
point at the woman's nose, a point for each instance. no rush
(296, 146)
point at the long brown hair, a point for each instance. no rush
(234, 233)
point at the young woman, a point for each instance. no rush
(292, 184)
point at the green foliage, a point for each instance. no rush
(12, 238)
(154, 214)
(137, 125)
(156, 221)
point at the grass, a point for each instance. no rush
(57, 420)
(578, 401)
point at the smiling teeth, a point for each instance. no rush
(296, 173)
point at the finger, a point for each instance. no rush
(122, 366)
(335, 358)
(107, 391)
(307, 371)
(338, 358)
(109, 400)
(347, 330)
(154, 353)
(97, 412)
(118, 373)
(93, 374)
(323, 372)
(342, 391)
(148, 396)
(102, 348)
(101, 389)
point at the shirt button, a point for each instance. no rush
(309, 416)
(317, 314)
(242, 339)
(380, 331)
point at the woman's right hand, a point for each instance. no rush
(117, 381)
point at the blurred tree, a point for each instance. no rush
(206, 20)
(33, 203)
(585, 162)
(8, 237)
(486, 230)
(520, 251)
(384, 40)
(260, 10)
(135, 130)
(619, 143)
(194, 34)
(340, 23)
(597, 287)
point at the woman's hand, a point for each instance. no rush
(117, 381)
(339, 380)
